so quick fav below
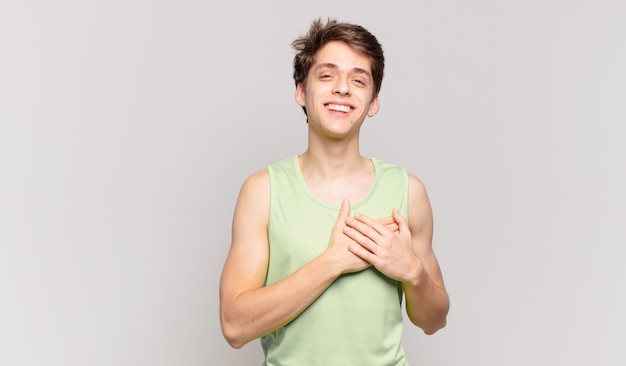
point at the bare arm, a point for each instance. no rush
(406, 256)
(249, 310)
(427, 301)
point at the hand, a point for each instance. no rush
(389, 223)
(390, 251)
(339, 243)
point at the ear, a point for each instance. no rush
(300, 94)
(374, 105)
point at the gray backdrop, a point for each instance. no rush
(127, 128)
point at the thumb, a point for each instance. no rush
(402, 225)
(344, 211)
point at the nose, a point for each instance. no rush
(342, 87)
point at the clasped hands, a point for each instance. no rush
(384, 243)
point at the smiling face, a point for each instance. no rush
(339, 91)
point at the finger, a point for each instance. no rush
(344, 211)
(362, 234)
(389, 223)
(392, 227)
(363, 253)
(386, 220)
(371, 223)
(402, 225)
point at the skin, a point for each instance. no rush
(338, 95)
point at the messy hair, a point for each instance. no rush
(357, 37)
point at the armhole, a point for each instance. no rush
(272, 178)
(407, 193)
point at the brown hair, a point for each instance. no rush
(357, 37)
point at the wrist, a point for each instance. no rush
(417, 275)
(329, 264)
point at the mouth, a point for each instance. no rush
(338, 107)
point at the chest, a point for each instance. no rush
(353, 189)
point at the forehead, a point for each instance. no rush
(342, 56)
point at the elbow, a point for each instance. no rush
(233, 334)
(235, 343)
(432, 323)
(232, 338)
(437, 320)
(433, 328)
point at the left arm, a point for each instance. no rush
(406, 255)
(427, 301)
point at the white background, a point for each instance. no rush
(127, 128)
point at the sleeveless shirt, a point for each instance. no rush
(358, 319)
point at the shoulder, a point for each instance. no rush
(256, 189)
(254, 196)
(420, 211)
(257, 180)
(391, 173)
(417, 188)
(385, 165)
(256, 185)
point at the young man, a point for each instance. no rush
(325, 243)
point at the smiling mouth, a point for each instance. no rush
(339, 108)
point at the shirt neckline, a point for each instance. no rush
(312, 196)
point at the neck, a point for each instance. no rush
(336, 174)
(334, 162)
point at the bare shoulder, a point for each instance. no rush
(419, 203)
(252, 207)
(417, 188)
(420, 218)
(257, 185)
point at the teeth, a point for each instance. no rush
(337, 107)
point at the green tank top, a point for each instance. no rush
(358, 319)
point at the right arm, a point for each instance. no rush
(248, 309)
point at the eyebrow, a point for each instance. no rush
(357, 70)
